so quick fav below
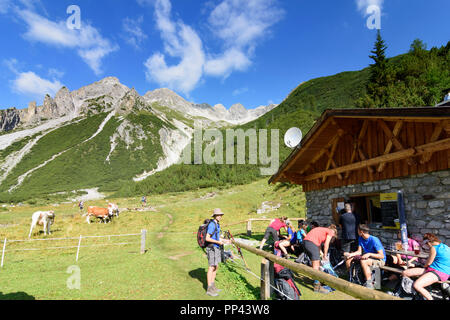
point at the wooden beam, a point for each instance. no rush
(397, 128)
(357, 146)
(330, 157)
(342, 285)
(398, 155)
(294, 177)
(333, 163)
(319, 155)
(436, 133)
(393, 139)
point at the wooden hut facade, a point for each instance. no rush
(368, 155)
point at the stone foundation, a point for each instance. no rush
(422, 216)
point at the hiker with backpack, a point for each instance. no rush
(437, 267)
(370, 253)
(312, 242)
(214, 249)
(273, 230)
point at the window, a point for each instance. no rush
(367, 206)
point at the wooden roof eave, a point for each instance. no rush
(424, 114)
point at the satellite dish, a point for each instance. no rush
(293, 137)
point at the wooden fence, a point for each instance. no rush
(344, 286)
(143, 240)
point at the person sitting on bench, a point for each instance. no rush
(437, 267)
(371, 253)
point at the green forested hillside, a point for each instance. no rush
(416, 78)
(84, 163)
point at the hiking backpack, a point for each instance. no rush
(284, 283)
(201, 233)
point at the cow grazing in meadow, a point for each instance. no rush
(104, 214)
(114, 209)
(45, 218)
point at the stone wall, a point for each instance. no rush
(422, 215)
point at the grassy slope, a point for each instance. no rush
(84, 165)
(173, 268)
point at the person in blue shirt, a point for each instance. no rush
(290, 240)
(301, 233)
(214, 251)
(371, 253)
(437, 267)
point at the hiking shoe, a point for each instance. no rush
(369, 285)
(321, 289)
(211, 292)
(316, 286)
(215, 289)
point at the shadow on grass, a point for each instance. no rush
(16, 296)
(237, 278)
(200, 275)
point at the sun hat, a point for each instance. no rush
(217, 212)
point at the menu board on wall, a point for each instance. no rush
(389, 209)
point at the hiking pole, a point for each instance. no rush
(233, 241)
(339, 264)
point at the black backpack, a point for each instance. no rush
(201, 233)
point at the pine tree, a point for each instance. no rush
(379, 74)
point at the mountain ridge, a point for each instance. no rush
(110, 92)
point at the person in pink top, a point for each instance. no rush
(403, 261)
(313, 242)
(273, 230)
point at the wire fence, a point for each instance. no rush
(10, 245)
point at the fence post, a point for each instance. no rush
(3, 252)
(249, 227)
(266, 279)
(143, 240)
(78, 249)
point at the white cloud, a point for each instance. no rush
(134, 35)
(55, 73)
(88, 42)
(224, 64)
(30, 84)
(364, 4)
(182, 42)
(33, 85)
(238, 24)
(240, 91)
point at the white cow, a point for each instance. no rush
(113, 210)
(45, 218)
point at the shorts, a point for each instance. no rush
(378, 262)
(441, 276)
(271, 232)
(312, 250)
(349, 245)
(214, 255)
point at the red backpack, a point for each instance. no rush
(201, 233)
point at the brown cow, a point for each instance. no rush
(97, 212)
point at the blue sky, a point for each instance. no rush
(215, 51)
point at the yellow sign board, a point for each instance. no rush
(388, 196)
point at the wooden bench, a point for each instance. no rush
(399, 271)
